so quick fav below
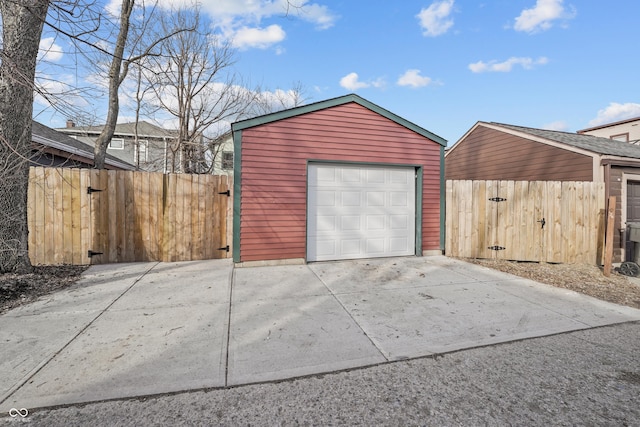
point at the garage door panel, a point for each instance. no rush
(350, 247)
(399, 177)
(399, 222)
(375, 222)
(351, 198)
(360, 212)
(375, 198)
(327, 224)
(350, 223)
(326, 175)
(375, 246)
(375, 176)
(400, 198)
(350, 176)
(326, 249)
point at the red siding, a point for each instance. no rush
(491, 154)
(274, 173)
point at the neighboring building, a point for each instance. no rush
(54, 149)
(338, 179)
(495, 151)
(223, 155)
(624, 130)
(152, 153)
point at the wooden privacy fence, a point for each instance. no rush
(544, 221)
(86, 216)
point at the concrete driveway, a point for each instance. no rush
(138, 329)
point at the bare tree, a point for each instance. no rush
(267, 101)
(119, 68)
(193, 82)
(22, 23)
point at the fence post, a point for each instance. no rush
(608, 242)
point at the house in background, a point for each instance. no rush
(54, 149)
(495, 151)
(222, 150)
(338, 179)
(151, 153)
(624, 130)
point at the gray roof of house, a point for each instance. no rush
(52, 138)
(144, 129)
(596, 144)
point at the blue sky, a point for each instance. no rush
(444, 64)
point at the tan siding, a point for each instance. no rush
(274, 173)
(488, 154)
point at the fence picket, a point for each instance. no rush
(572, 212)
(138, 216)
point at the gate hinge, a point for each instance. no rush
(228, 193)
(93, 253)
(497, 248)
(92, 190)
(226, 248)
(498, 199)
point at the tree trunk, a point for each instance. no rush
(116, 76)
(22, 22)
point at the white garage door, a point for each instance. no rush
(358, 211)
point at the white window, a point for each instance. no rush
(142, 152)
(116, 144)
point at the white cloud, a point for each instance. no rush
(615, 112)
(351, 82)
(49, 50)
(261, 38)
(557, 125)
(506, 66)
(541, 16)
(319, 15)
(435, 19)
(257, 10)
(243, 21)
(60, 91)
(414, 79)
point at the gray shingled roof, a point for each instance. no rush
(592, 143)
(144, 129)
(86, 150)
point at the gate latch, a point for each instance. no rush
(498, 199)
(496, 248)
(542, 222)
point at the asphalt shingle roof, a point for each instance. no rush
(591, 143)
(144, 129)
(53, 135)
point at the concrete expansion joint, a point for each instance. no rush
(46, 361)
(335, 296)
(232, 277)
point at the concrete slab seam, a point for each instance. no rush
(48, 359)
(335, 296)
(232, 276)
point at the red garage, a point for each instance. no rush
(337, 179)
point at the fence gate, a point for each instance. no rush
(86, 216)
(525, 220)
